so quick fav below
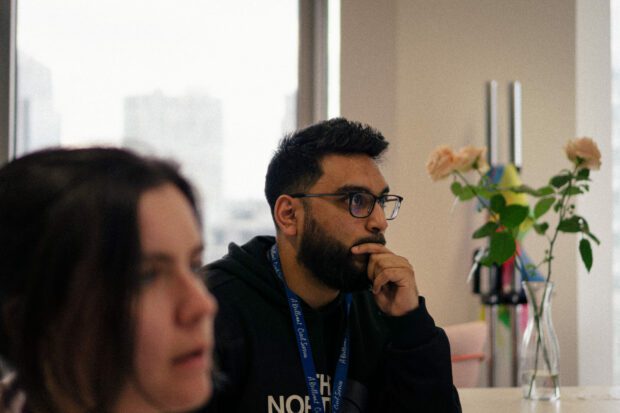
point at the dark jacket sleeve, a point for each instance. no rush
(230, 361)
(416, 373)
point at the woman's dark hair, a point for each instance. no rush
(69, 268)
(296, 164)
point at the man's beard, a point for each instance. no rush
(331, 262)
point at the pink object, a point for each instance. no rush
(467, 342)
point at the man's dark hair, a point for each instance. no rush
(296, 165)
(70, 255)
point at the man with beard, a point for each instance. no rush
(325, 318)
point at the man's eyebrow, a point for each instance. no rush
(357, 188)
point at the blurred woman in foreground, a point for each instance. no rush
(102, 305)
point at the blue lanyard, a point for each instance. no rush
(305, 351)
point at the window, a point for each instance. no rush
(211, 84)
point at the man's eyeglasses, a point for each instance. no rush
(361, 204)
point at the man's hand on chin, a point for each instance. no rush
(392, 277)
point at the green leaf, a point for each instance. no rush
(570, 225)
(524, 189)
(484, 193)
(466, 194)
(545, 190)
(585, 250)
(498, 203)
(559, 181)
(583, 174)
(541, 228)
(557, 205)
(543, 206)
(571, 190)
(486, 230)
(584, 225)
(501, 247)
(456, 188)
(513, 215)
(592, 237)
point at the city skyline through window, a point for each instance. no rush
(209, 84)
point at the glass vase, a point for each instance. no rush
(539, 366)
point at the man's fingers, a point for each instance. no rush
(385, 277)
(381, 262)
(392, 277)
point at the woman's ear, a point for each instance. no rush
(285, 214)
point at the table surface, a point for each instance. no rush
(590, 399)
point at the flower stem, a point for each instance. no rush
(481, 200)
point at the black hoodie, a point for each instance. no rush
(397, 364)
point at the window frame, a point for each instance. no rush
(8, 78)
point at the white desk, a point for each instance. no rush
(572, 400)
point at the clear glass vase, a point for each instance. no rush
(539, 366)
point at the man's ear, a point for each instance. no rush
(285, 213)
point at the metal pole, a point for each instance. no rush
(492, 123)
(492, 157)
(514, 343)
(516, 155)
(492, 343)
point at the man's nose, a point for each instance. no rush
(376, 220)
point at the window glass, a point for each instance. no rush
(211, 84)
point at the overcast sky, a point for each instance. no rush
(241, 51)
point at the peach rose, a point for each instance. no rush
(440, 163)
(471, 157)
(584, 153)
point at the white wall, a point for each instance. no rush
(593, 106)
(416, 69)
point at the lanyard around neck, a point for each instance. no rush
(305, 350)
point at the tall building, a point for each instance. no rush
(289, 119)
(38, 124)
(187, 129)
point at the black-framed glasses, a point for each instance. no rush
(361, 204)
